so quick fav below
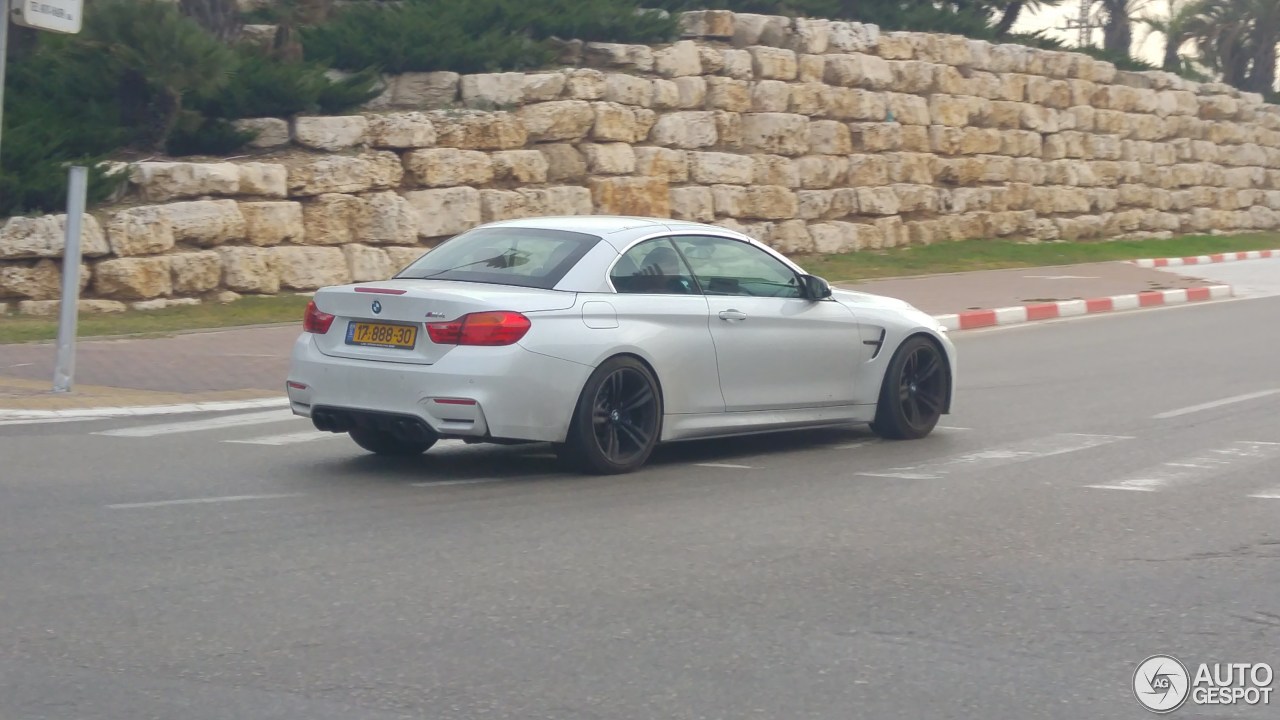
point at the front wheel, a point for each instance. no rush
(914, 391)
(381, 442)
(616, 423)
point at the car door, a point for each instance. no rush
(775, 349)
(660, 310)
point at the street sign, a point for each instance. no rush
(60, 16)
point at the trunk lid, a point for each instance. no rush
(397, 330)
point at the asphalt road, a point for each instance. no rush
(1019, 565)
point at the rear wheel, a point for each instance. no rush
(616, 423)
(914, 391)
(382, 442)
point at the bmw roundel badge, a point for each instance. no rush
(377, 307)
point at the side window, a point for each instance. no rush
(653, 267)
(728, 267)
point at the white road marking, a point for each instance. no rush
(1062, 277)
(1269, 495)
(200, 501)
(224, 421)
(854, 446)
(288, 438)
(100, 413)
(1196, 467)
(1215, 404)
(727, 466)
(951, 428)
(442, 483)
(1004, 455)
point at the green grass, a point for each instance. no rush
(255, 310)
(999, 254)
(896, 262)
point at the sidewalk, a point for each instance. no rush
(248, 364)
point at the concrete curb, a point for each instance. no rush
(96, 413)
(1206, 259)
(974, 319)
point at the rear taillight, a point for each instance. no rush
(316, 321)
(486, 328)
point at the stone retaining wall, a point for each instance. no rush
(816, 136)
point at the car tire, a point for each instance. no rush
(915, 390)
(381, 442)
(617, 421)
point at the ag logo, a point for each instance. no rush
(1161, 683)
(377, 307)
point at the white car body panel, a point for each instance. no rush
(789, 363)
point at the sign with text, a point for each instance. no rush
(60, 16)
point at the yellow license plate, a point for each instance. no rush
(382, 335)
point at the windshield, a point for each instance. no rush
(526, 257)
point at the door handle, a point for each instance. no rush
(732, 315)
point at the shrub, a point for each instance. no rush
(475, 36)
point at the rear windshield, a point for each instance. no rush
(505, 256)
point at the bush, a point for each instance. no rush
(474, 36)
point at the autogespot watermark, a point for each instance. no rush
(1163, 684)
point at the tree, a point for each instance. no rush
(1238, 39)
(1117, 28)
(1012, 12)
(220, 18)
(1175, 28)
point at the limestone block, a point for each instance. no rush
(666, 95)
(854, 104)
(692, 92)
(628, 89)
(541, 87)
(709, 168)
(833, 238)
(1040, 119)
(813, 204)
(911, 167)
(770, 63)
(564, 162)
(770, 96)
(717, 24)
(907, 109)
(558, 120)
(915, 138)
(310, 268)
(861, 71)
(205, 222)
(878, 201)
(446, 211)
(948, 110)
(822, 171)
(916, 198)
(896, 46)
(609, 158)
(811, 68)
(828, 137)
(403, 257)
(385, 217)
(876, 137)
(812, 35)
(271, 223)
(775, 170)
(737, 65)
(692, 203)
(728, 94)
(446, 167)
(476, 130)
(565, 200)
(686, 130)
(1022, 143)
(39, 281)
(272, 132)
(367, 263)
(331, 133)
(498, 205)
(585, 84)
(133, 278)
(790, 236)
(618, 55)
(808, 99)
(401, 130)
(768, 202)
(751, 29)
(637, 196)
(776, 133)
(868, 171)
(679, 60)
(164, 181)
(488, 91)
(379, 170)
(521, 166)
(945, 140)
(852, 37)
(425, 90)
(249, 269)
(330, 219)
(195, 272)
(267, 180)
(893, 232)
(139, 231)
(666, 163)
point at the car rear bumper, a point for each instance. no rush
(504, 393)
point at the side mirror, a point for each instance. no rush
(814, 287)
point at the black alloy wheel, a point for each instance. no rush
(618, 418)
(914, 392)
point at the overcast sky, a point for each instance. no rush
(1147, 46)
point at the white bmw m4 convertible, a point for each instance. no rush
(607, 336)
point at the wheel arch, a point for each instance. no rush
(942, 349)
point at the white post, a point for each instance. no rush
(64, 368)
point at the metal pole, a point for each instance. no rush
(65, 367)
(7, 7)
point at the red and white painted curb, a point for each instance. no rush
(1207, 259)
(1033, 312)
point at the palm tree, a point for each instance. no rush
(1117, 28)
(1014, 9)
(1238, 40)
(1174, 27)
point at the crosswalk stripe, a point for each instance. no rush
(225, 421)
(997, 456)
(288, 438)
(1193, 468)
